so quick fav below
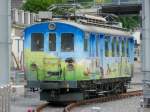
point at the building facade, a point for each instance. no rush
(16, 3)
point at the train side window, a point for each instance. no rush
(127, 48)
(118, 49)
(97, 46)
(52, 42)
(123, 48)
(86, 44)
(67, 42)
(37, 42)
(107, 47)
(113, 47)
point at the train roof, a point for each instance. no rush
(92, 28)
(98, 29)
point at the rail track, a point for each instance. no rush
(41, 107)
(69, 107)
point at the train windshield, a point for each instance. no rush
(67, 42)
(37, 42)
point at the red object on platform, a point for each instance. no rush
(29, 110)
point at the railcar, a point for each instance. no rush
(70, 61)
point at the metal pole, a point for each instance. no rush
(146, 51)
(5, 25)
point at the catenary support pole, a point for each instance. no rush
(5, 25)
(5, 15)
(146, 51)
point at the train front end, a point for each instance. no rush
(50, 57)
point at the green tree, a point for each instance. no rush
(129, 22)
(39, 5)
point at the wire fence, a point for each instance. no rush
(5, 98)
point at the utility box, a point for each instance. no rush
(45, 15)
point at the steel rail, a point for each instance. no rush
(41, 107)
(69, 107)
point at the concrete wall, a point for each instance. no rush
(16, 3)
(21, 17)
(17, 50)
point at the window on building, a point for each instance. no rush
(52, 42)
(37, 42)
(67, 42)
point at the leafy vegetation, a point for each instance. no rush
(39, 5)
(129, 22)
(42, 5)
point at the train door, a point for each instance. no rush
(101, 51)
(99, 55)
(92, 45)
(51, 61)
(36, 56)
(121, 56)
(131, 54)
(67, 52)
(119, 53)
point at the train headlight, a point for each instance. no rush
(70, 64)
(70, 67)
(86, 72)
(52, 26)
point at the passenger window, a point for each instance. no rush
(52, 42)
(97, 46)
(123, 48)
(67, 42)
(127, 50)
(106, 46)
(118, 49)
(113, 47)
(37, 42)
(85, 44)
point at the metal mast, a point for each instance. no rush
(5, 25)
(146, 51)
